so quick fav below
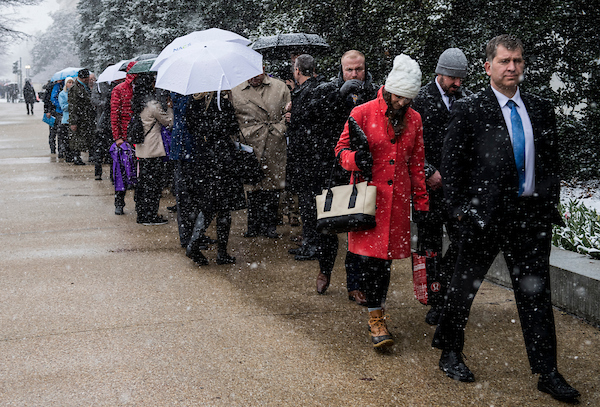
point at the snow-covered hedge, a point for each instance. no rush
(582, 231)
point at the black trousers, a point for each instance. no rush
(326, 245)
(525, 241)
(101, 150)
(29, 106)
(149, 187)
(430, 238)
(373, 276)
(262, 210)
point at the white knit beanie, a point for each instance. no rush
(405, 77)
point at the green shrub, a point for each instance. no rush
(581, 233)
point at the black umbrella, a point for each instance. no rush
(359, 142)
(281, 46)
(142, 57)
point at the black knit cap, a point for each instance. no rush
(84, 73)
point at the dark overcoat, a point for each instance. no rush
(82, 114)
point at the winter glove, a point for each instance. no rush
(364, 162)
(351, 86)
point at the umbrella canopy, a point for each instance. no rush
(65, 73)
(196, 37)
(280, 46)
(142, 66)
(142, 57)
(112, 73)
(207, 67)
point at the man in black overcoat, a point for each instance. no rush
(500, 175)
(434, 102)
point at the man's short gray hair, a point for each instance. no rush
(306, 64)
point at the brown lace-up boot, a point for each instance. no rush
(380, 335)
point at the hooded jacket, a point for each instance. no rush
(120, 105)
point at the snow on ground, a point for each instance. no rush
(587, 192)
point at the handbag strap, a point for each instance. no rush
(151, 127)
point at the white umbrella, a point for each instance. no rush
(212, 34)
(207, 67)
(112, 73)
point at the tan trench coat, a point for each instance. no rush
(260, 114)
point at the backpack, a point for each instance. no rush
(135, 129)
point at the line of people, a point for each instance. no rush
(481, 166)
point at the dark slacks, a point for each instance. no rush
(149, 187)
(430, 238)
(326, 245)
(262, 210)
(525, 240)
(373, 275)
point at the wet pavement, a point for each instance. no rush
(96, 310)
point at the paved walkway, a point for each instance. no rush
(96, 310)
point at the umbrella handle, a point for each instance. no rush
(219, 92)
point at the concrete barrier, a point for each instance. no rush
(574, 278)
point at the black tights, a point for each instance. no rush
(374, 277)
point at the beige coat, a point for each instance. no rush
(153, 144)
(260, 113)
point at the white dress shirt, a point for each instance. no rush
(528, 129)
(445, 97)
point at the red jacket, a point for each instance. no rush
(120, 106)
(397, 173)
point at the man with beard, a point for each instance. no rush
(395, 159)
(332, 103)
(434, 103)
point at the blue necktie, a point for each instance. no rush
(518, 142)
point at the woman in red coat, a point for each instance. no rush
(396, 159)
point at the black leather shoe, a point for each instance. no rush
(225, 259)
(433, 315)
(451, 363)
(196, 255)
(271, 233)
(295, 251)
(309, 253)
(556, 386)
(251, 234)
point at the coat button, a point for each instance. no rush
(392, 162)
(394, 141)
(390, 182)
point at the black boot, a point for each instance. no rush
(119, 202)
(223, 228)
(195, 244)
(253, 225)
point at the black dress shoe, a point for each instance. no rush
(196, 255)
(295, 251)
(556, 386)
(433, 316)
(271, 233)
(451, 363)
(225, 259)
(309, 253)
(251, 233)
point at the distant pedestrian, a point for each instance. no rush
(216, 188)
(120, 116)
(396, 160)
(63, 126)
(29, 95)
(260, 107)
(151, 151)
(82, 116)
(500, 172)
